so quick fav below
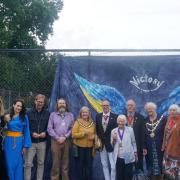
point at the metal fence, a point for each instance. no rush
(24, 74)
(8, 96)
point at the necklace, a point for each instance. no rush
(121, 134)
(151, 127)
(86, 126)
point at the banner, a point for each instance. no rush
(88, 80)
(85, 81)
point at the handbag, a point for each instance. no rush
(139, 175)
(75, 151)
(75, 148)
(97, 143)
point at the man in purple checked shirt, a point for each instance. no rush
(59, 128)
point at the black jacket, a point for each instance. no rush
(106, 136)
(2, 124)
(3, 172)
(38, 122)
(138, 127)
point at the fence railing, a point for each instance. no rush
(27, 72)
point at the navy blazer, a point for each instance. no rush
(105, 136)
(138, 127)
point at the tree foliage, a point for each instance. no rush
(27, 24)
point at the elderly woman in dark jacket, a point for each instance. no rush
(154, 131)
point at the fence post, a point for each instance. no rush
(9, 99)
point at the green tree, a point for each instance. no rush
(27, 23)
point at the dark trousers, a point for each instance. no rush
(139, 163)
(123, 171)
(84, 163)
(3, 173)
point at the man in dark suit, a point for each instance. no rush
(105, 122)
(137, 122)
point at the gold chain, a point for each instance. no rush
(153, 126)
(86, 126)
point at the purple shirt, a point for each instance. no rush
(58, 126)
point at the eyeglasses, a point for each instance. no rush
(40, 102)
(105, 105)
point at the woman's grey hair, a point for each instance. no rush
(150, 104)
(174, 106)
(122, 116)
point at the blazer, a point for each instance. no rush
(138, 127)
(128, 144)
(105, 136)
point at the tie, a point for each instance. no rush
(105, 122)
(105, 117)
(130, 120)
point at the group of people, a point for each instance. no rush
(126, 139)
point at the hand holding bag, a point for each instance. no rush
(97, 143)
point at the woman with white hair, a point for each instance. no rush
(125, 150)
(171, 143)
(154, 130)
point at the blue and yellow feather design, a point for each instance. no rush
(95, 93)
(173, 98)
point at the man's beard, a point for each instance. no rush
(62, 110)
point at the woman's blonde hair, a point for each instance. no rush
(80, 112)
(1, 107)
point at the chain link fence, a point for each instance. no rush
(8, 96)
(25, 73)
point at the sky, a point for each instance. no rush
(117, 24)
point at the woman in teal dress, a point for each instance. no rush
(17, 140)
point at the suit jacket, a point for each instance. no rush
(138, 127)
(106, 136)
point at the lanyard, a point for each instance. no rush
(121, 135)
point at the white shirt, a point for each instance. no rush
(105, 122)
